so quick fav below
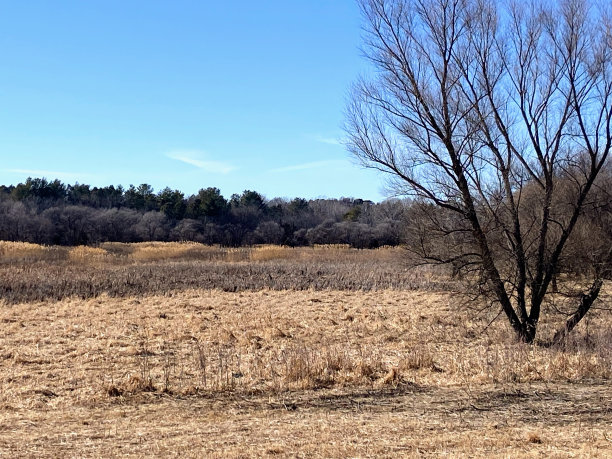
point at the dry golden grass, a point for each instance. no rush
(294, 373)
(84, 254)
(323, 351)
(273, 252)
(113, 270)
(156, 251)
(25, 251)
(142, 252)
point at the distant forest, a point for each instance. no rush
(51, 212)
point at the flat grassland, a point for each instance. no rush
(192, 351)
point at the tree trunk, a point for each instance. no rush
(586, 301)
(528, 331)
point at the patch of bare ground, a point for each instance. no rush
(323, 373)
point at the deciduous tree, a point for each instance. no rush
(486, 112)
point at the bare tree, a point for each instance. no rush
(480, 109)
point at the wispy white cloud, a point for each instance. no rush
(49, 174)
(311, 165)
(194, 158)
(327, 140)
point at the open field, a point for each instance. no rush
(30, 272)
(329, 369)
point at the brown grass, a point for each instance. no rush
(118, 252)
(299, 371)
(324, 373)
(122, 270)
(11, 252)
(86, 255)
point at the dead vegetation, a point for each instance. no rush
(29, 272)
(327, 373)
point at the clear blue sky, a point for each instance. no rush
(189, 94)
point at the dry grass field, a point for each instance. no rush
(183, 350)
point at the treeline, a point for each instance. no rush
(51, 212)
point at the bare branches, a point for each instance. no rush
(483, 111)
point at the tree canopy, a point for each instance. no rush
(499, 116)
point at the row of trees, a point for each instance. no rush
(51, 212)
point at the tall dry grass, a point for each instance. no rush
(271, 342)
(273, 252)
(83, 254)
(151, 357)
(142, 269)
(11, 252)
(202, 342)
(142, 252)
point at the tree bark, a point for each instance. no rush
(586, 301)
